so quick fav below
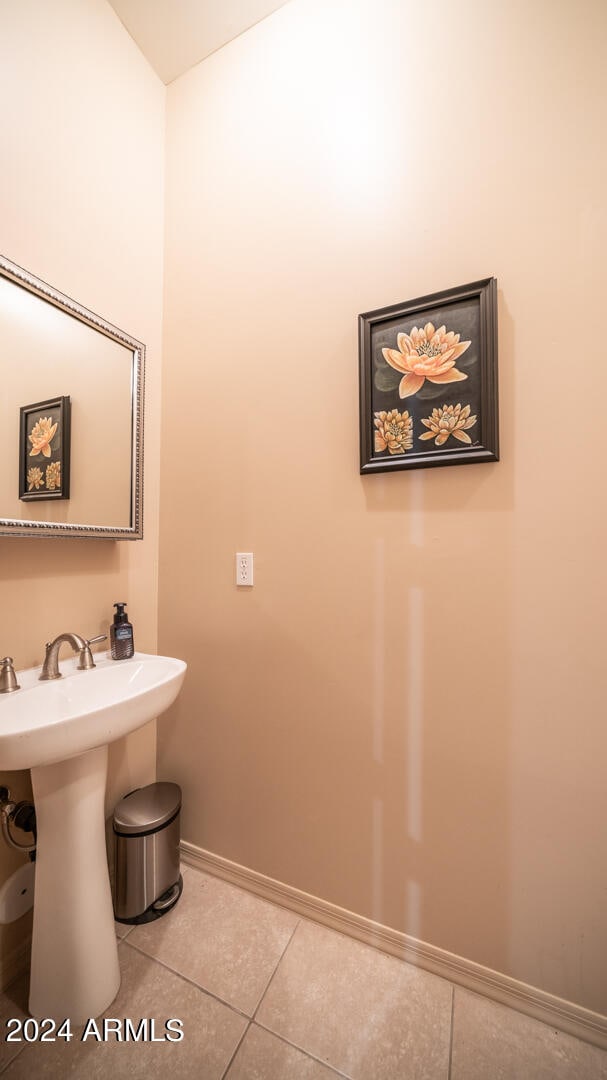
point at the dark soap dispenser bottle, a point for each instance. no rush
(121, 635)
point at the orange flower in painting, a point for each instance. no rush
(426, 354)
(394, 432)
(41, 436)
(53, 475)
(34, 478)
(450, 420)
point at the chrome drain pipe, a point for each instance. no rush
(21, 815)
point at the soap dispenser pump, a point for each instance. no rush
(121, 634)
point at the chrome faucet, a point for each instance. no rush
(8, 679)
(50, 667)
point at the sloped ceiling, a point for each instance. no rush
(176, 34)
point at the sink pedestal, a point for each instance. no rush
(74, 970)
(71, 720)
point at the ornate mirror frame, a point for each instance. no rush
(17, 527)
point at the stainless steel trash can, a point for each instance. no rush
(147, 882)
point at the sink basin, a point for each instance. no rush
(46, 722)
(61, 729)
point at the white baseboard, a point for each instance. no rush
(15, 963)
(552, 1010)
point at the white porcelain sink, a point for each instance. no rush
(47, 722)
(61, 729)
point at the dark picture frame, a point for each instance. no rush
(44, 450)
(428, 380)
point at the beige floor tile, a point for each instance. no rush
(13, 1005)
(262, 1056)
(490, 1040)
(366, 1014)
(223, 938)
(211, 1034)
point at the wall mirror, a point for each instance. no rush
(71, 437)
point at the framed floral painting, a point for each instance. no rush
(428, 380)
(44, 450)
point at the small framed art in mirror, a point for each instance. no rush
(44, 434)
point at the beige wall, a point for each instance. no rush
(81, 190)
(405, 715)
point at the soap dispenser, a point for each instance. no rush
(121, 634)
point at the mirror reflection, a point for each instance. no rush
(71, 431)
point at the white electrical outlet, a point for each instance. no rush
(244, 567)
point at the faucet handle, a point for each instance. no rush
(86, 661)
(8, 679)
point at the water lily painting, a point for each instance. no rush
(44, 449)
(428, 380)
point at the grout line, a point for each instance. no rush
(197, 986)
(307, 1053)
(271, 979)
(451, 1032)
(236, 1049)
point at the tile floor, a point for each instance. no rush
(265, 995)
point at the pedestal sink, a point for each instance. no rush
(61, 731)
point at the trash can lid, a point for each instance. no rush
(147, 808)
